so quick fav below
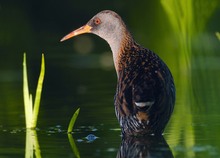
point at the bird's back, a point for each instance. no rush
(145, 93)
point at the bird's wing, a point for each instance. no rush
(144, 92)
(149, 83)
(142, 83)
(140, 89)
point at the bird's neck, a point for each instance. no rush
(121, 44)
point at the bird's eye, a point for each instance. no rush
(97, 21)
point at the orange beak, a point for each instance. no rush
(84, 29)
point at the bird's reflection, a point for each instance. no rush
(144, 147)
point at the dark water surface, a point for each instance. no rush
(80, 73)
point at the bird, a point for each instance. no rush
(145, 93)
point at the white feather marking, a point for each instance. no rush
(144, 104)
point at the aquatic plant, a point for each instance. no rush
(69, 131)
(73, 120)
(218, 35)
(31, 112)
(73, 145)
(188, 19)
(32, 146)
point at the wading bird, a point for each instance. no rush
(145, 93)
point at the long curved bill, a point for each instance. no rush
(84, 29)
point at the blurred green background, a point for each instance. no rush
(80, 72)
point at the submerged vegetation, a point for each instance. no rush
(172, 30)
(32, 146)
(31, 114)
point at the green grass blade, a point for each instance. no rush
(38, 93)
(26, 95)
(73, 120)
(30, 111)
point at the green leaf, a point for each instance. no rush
(26, 95)
(73, 120)
(38, 92)
(31, 113)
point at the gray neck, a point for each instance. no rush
(117, 37)
(115, 41)
(123, 44)
(116, 46)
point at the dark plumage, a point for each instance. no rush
(144, 147)
(145, 93)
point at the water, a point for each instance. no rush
(192, 131)
(80, 73)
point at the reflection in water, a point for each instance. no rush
(73, 145)
(32, 145)
(195, 125)
(144, 147)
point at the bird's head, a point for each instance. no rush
(109, 26)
